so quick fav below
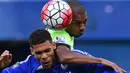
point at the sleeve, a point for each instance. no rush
(58, 44)
(58, 36)
(19, 67)
(60, 39)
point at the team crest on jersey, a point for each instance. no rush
(59, 39)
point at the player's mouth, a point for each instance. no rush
(81, 33)
(45, 63)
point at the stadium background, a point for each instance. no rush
(107, 32)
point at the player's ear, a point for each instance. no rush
(31, 50)
(54, 45)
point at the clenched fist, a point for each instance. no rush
(5, 58)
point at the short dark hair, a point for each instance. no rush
(76, 6)
(39, 36)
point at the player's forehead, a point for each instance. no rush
(80, 16)
(42, 46)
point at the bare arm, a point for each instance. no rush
(67, 56)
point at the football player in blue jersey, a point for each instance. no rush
(44, 60)
(64, 55)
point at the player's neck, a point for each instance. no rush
(68, 32)
(54, 58)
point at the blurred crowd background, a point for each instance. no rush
(107, 32)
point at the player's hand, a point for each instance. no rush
(5, 59)
(113, 65)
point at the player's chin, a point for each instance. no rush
(46, 66)
(76, 36)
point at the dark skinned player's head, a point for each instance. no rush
(78, 24)
(42, 47)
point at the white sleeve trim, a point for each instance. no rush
(7, 70)
(25, 60)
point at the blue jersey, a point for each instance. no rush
(31, 65)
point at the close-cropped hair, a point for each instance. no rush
(76, 6)
(39, 36)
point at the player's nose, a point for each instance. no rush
(82, 28)
(44, 56)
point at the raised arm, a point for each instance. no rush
(5, 58)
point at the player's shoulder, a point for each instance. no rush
(20, 66)
(59, 36)
(57, 32)
(30, 58)
(82, 52)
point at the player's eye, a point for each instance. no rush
(85, 21)
(47, 50)
(38, 52)
(78, 22)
